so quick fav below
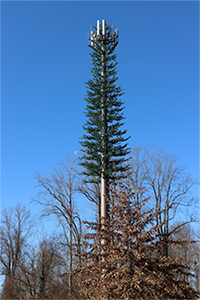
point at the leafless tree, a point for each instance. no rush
(15, 230)
(56, 195)
(16, 227)
(168, 185)
(92, 193)
(197, 267)
(38, 277)
(190, 252)
(48, 265)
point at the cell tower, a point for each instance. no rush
(102, 37)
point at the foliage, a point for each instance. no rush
(128, 263)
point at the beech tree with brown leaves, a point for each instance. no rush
(130, 265)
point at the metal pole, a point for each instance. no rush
(104, 181)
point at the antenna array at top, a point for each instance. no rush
(102, 35)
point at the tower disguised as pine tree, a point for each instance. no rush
(104, 143)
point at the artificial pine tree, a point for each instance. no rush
(104, 144)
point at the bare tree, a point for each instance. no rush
(48, 260)
(38, 276)
(92, 192)
(56, 195)
(197, 267)
(15, 230)
(138, 173)
(190, 252)
(168, 185)
(16, 227)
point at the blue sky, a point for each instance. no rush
(45, 63)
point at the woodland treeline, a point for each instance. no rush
(151, 241)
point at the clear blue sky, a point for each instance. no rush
(45, 64)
